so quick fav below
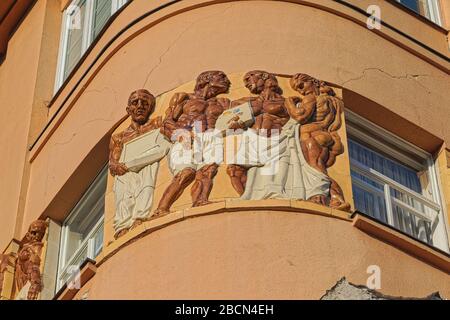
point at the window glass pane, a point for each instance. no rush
(411, 224)
(85, 19)
(76, 25)
(392, 169)
(85, 216)
(98, 242)
(79, 229)
(412, 4)
(102, 13)
(370, 198)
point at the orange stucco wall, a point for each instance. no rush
(17, 78)
(240, 36)
(170, 48)
(258, 255)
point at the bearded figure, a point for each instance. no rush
(28, 274)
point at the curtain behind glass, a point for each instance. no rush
(102, 13)
(374, 204)
(75, 37)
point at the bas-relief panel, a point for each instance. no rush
(279, 137)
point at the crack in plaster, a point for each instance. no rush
(104, 89)
(413, 77)
(160, 59)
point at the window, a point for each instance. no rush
(426, 8)
(82, 231)
(83, 20)
(395, 182)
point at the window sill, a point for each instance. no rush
(428, 254)
(88, 270)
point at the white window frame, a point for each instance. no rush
(67, 264)
(117, 4)
(87, 38)
(435, 11)
(435, 212)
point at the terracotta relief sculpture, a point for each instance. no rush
(281, 170)
(319, 113)
(4, 259)
(286, 145)
(134, 161)
(188, 118)
(269, 112)
(27, 274)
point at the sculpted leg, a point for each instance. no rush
(121, 233)
(315, 154)
(238, 176)
(136, 223)
(319, 199)
(323, 141)
(336, 149)
(337, 197)
(175, 190)
(203, 185)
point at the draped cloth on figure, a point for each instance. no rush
(280, 169)
(133, 191)
(204, 149)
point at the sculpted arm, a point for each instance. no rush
(173, 113)
(35, 277)
(256, 110)
(306, 109)
(256, 107)
(115, 149)
(225, 103)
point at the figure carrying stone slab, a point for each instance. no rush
(281, 170)
(134, 162)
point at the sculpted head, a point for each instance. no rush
(212, 83)
(141, 105)
(256, 81)
(36, 231)
(304, 84)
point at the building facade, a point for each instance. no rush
(195, 149)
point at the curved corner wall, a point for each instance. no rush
(272, 253)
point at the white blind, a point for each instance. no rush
(101, 15)
(76, 27)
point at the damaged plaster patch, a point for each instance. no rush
(344, 290)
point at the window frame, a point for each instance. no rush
(65, 263)
(440, 234)
(435, 11)
(87, 35)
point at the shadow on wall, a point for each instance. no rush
(390, 121)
